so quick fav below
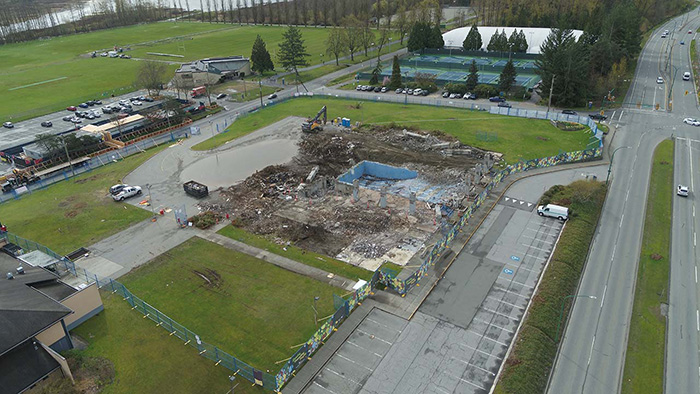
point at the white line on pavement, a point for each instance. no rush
(505, 302)
(367, 350)
(605, 290)
(343, 377)
(534, 247)
(491, 324)
(622, 219)
(324, 388)
(345, 358)
(696, 274)
(480, 351)
(500, 314)
(464, 380)
(372, 336)
(485, 337)
(691, 166)
(512, 292)
(591, 353)
(479, 368)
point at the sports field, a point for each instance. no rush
(245, 306)
(42, 76)
(514, 137)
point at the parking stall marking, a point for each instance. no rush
(343, 377)
(352, 361)
(463, 380)
(367, 350)
(374, 336)
(475, 366)
(522, 308)
(494, 325)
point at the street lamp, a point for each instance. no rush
(561, 313)
(150, 200)
(612, 157)
(315, 311)
(405, 96)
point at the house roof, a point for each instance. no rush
(26, 305)
(24, 365)
(216, 65)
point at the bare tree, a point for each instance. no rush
(152, 76)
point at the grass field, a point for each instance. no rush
(644, 360)
(516, 137)
(243, 91)
(146, 359)
(76, 212)
(252, 309)
(527, 368)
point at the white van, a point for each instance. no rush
(686, 76)
(555, 211)
(113, 54)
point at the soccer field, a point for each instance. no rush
(43, 76)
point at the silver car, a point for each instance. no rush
(127, 192)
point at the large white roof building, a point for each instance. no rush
(535, 36)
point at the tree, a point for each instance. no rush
(383, 39)
(473, 77)
(335, 43)
(436, 40)
(151, 76)
(421, 37)
(522, 42)
(563, 57)
(507, 77)
(473, 40)
(376, 73)
(395, 81)
(366, 38)
(292, 53)
(353, 36)
(261, 57)
(402, 22)
(493, 42)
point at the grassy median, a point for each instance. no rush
(528, 366)
(512, 136)
(644, 361)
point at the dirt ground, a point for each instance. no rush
(280, 202)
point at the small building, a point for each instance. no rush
(37, 312)
(212, 70)
(116, 128)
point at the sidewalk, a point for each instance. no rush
(280, 261)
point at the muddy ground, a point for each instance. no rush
(278, 201)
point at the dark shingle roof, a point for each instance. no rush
(24, 311)
(23, 366)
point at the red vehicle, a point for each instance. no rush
(199, 91)
(71, 108)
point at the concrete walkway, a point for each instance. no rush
(280, 261)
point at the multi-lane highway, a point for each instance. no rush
(592, 354)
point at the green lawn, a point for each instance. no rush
(76, 212)
(516, 137)
(317, 260)
(644, 361)
(239, 91)
(252, 310)
(527, 368)
(146, 359)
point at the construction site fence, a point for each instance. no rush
(97, 161)
(65, 266)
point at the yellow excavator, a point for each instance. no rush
(315, 124)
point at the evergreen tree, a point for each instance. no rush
(376, 73)
(473, 78)
(473, 40)
(563, 57)
(436, 40)
(507, 78)
(292, 54)
(502, 42)
(260, 57)
(493, 42)
(420, 37)
(522, 42)
(395, 81)
(513, 41)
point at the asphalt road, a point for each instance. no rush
(592, 354)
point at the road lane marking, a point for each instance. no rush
(691, 166)
(621, 219)
(696, 274)
(693, 210)
(605, 290)
(694, 239)
(627, 196)
(591, 353)
(697, 319)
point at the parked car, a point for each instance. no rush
(358, 87)
(143, 98)
(384, 89)
(137, 103)
(458, 95)
(399, 91)
(71, 108)
(504, 104)
(496, 99)
(597, 117)
(690, 32)
(107, 110)
(90, 103)
(103, 54)
(424, 93)
(76, 120)
(272, 96)
(46, 124)
(148, 99)
(90, 116)
(682, 191)
(96, 113)
(568, 112)
(691, 121)
(409, 92)
(114, 190)
(471, 96)
(417, 92)
(127, 192)
(377, 89)
(8, 125)
(554, 211)
(97, 102)
(218, 96)
(83, 105)
(67, 118)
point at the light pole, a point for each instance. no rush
(405, 95)
(612, 157)
(150, 200)
(65, 147)
(561, 313)
(551, 91)
(315, 311)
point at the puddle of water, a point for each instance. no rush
(234, 165)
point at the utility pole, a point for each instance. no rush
(65, 147)
(261, 99)
(551, 91)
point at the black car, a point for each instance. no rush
(568, 112)
(496, 99)
(46, 124)
(148, 99)
(98, 102)
(218, 97)
(472, 96)
(67, 118)
(272, 96)
(378, 89)
(424, 93)
(597, 117)
(106, 110)
(90, 103)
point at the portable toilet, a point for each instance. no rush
(345, 122)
